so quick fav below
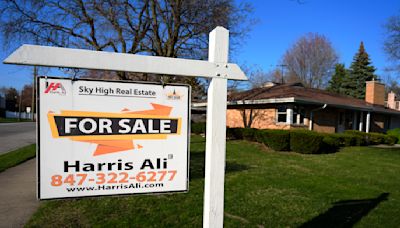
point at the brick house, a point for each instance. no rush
(289, 106)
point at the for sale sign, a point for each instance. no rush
(107, 138)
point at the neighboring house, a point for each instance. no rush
(288, 106)
(392, 101)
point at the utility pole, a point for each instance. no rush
(282, 66)
(35, 73)
(19, 106)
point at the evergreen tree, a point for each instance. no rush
(336, 82)
(361, 71)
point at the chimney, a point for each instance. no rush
(375, 93)
(268, 84)
(391, 102)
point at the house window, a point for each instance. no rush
(298, 115)
(281, 114)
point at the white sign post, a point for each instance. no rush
(213, 215)
(216, 68)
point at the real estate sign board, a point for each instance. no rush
(106, 138)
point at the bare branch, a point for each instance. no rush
(311, 60)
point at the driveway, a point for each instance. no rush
(16, 135)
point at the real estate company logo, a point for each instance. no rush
(55, 88)
(174, 96)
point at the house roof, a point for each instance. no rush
(296, 92)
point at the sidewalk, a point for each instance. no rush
(18, 194)
(386, 146)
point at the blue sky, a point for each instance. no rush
(344, 23)
(281, 23)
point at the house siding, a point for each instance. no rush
(265, 119)
(325, 121)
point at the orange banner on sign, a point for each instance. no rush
(115, 143)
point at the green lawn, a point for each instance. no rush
(357, 185)
(16, 157)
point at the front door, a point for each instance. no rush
(341, 122)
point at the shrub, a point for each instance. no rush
(363, 139)
(355, 132)
(278, 140)
(306, 142)
(249, 134)
(395, 132)
(337, 137)
(259, 136)
(349, 140)
(359, 137)
(375, 138)
(234, 133)
(331, 143)
(390, 139)
(198, 128)
(359, 140)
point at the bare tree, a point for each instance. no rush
(26, 97)
(181, 27)
(97, 25)
(393, 86)
(257, 79)
(392, 41)
(170, 28)
(311, 60)
(250, 115)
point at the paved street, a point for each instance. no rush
(16, 135)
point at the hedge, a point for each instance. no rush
(306, 142)
(249, 134)
(259, 136)
(348, 139)
(278, 140)
(396, 133)
(332, 142)
(198, 128)
(234, 133)
(372, 138)
(390, 140)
